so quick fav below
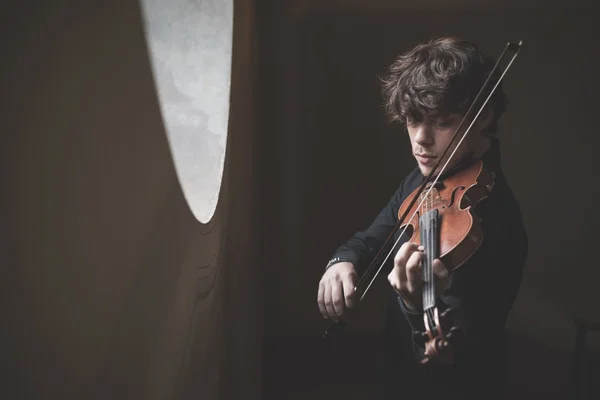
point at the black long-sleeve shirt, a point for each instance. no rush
(483, 290)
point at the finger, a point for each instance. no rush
(404, 253)
(328, 303)
(337, 298)
(439, 269)
(321, 299)
(442, 276)
(394, 279)
(349, 291)
(401, 291)
(413, 272)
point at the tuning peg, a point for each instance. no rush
(454, 331)
(419, 334)
(420, 337)
(447, 312)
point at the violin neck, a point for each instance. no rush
(430, 233)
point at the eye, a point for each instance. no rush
(443, 123)
(412, 121)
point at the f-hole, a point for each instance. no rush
(453, 196)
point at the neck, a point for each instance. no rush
(483, 144)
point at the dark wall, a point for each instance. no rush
(110, 288)
(336, 161)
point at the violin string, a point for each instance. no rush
(429, 259)
(425, 244)
(440, 173)
(430, 283)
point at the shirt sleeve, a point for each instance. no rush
(363, 246)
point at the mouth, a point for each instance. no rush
(425, 159)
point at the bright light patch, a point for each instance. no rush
(190, 46)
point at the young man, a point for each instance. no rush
(428, 90)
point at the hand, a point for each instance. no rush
(336, 290)
(406, 277)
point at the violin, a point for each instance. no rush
(446, 225)
(445, 222)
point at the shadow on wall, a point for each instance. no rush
(112, 289)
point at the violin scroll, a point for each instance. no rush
(441, 335)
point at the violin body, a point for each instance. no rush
(456, 198)
(445, 223)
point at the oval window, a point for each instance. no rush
(190, 45)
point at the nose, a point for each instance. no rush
(424, 134)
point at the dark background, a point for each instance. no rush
(112, 290)
(322, 103)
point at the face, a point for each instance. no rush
(430, 137)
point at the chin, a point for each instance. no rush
(425, 170)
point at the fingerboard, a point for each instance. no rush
(429, 229)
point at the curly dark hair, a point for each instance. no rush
(441, 76)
